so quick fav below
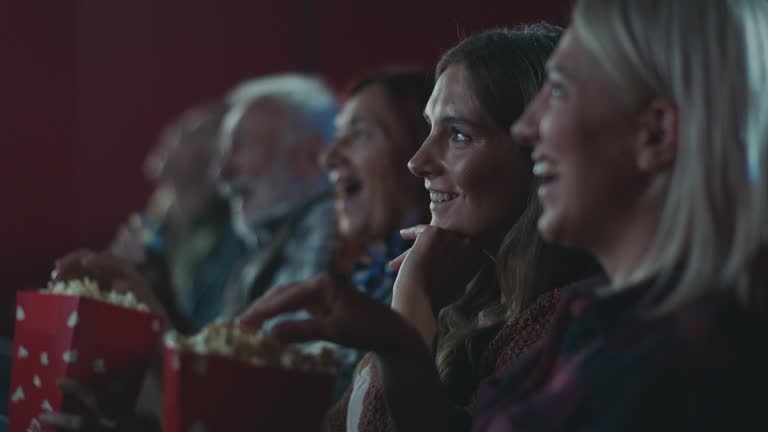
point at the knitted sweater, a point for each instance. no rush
(369, 412)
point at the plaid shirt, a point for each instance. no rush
(606, 367)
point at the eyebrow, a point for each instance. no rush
(356, 121)
(453, 119)
(554, 68)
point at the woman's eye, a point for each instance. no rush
(459, 136)
(556, 89)
(356, 134)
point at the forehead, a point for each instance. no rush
(368, 104)
(578, 64)
(453, 96)
(573, 60)
(265, 114)
(570, 56)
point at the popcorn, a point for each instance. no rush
(257, 348)
(89, 288)
(255, 380)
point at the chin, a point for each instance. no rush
(556, 230)
(547, 226)
(439, 223)
(348, 228)
(453, 227)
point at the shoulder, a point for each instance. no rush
(717, 330)
(707, 360)
(525, 330)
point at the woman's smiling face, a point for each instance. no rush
(476, 175)
(374, 192)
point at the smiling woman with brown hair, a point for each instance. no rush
(479, 265)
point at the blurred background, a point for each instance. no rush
(87, 86)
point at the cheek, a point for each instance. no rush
(601, 181)
(496, 186)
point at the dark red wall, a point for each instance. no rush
(86, 85)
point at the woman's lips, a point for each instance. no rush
(548, 174)
(441, 196)
(438, 199)
(347, 190)
(544, 169)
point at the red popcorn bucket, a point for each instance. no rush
(105, 347)
(212, 393)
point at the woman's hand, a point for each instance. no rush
(94, 420)
(342, 314)
(339, 313)
(110, 272)
(433, 274)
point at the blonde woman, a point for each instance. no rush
(638, 139)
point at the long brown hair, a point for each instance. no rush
(506, 69)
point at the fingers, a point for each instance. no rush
(81, 393)
(70, 266)
(62, 421)
(396, 263)
(129, 244)
(303, 331)
(70, 421)
(105, 266)
(413, 232)
(307, 294)
(88, 263)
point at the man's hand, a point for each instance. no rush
(110, 272)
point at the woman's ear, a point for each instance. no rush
(657, 146)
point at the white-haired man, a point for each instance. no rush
(271, 136)
(270, 141)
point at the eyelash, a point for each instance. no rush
(353, 134)
(556, 89)
(455, 132)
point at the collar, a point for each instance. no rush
(264, 227)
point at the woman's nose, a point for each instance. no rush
(329, 157)
(525, 130)
(423, 163)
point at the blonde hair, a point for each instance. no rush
(693, 52)
(755, 17)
